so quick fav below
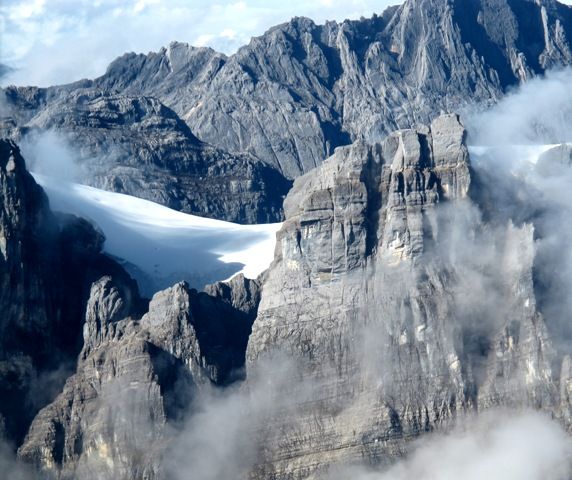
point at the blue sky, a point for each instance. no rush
(58, 41)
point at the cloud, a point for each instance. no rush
(496, 446)
(48, 153)
(57, 41)
(539, 112)
(531, 183)
(10, 466)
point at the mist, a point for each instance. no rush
(48, 153)
(537, 113)
(498, 445)
(516, 148)
(10, 465)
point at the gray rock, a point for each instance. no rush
(135, 381)
(137, 146)
(377, 291)
(298, 91)
(240, 292)
(41, 292)
(294, 94)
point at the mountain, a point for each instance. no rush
(137, 145)
(67, 307)
(368, 331)
(294, 94)
(47, 265)
(415, 284)
(291, 96)
(407, 303)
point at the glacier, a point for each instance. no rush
(159, 246)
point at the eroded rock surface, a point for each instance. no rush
(136, 380)
(403, 308)
(137, 146)
(131, 366)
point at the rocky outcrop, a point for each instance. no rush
(240, 292)
(377, 291)
(136, 379)
(110, 419)
(139, 363)
(375, 300)
(47, 264)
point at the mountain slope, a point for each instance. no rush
(301, 89)
(295, 93)
(93, 377)
(136, 145)
(47, 264)
(406, 304)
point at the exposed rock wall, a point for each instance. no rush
(401, 306)
(138, 363)
(47, 264)
(136, 145)
(136, 380)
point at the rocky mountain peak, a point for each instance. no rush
(370, 292)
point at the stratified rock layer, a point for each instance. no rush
(402, 307)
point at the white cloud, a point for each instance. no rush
(496, 446)
(58, 41)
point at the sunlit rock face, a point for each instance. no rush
(403, 308)
(292, 95)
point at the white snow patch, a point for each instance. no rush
(160, 246)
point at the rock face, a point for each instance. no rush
(47, 264)
(294, 94)
(555, 161)
(377, 289)
(376, 292)
(240, 292)
(137, 146)
(406, 298)
(291, 96)
(136, 379)
(138, 365)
